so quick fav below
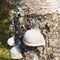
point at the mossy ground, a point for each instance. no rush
(4, 53)
(4, 35)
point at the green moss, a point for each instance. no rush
(4, 53)
(4, 35)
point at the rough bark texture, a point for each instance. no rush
(49, 26)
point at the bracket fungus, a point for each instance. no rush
(33, 37)
(11, 41)
(15, 53)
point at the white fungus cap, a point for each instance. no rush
(11, 41)
(15, 53)
(33, 37)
